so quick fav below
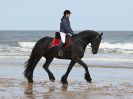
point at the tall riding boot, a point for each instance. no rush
(61, 50)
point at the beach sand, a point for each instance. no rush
(107, 83)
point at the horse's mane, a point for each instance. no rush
(87, 33)
(91, 32)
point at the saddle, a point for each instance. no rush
(57, 40)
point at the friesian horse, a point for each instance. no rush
(74, 52)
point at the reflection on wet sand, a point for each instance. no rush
(29, 88)
(76, 90)
(51, 88)
(29, 91)
(64, 87)
(32, 94)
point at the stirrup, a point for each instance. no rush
(60, 53)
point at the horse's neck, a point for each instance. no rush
(85, 38)
(81, 41)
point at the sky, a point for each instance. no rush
(116, 15)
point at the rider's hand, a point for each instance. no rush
(75, 34)
(72, 34)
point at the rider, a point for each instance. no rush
(65, 29)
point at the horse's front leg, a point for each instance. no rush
(87, 74)
(64, 77)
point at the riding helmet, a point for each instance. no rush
(67, 12)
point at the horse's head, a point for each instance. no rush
(95, 42)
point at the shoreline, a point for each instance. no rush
(107, 83)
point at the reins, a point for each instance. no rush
(84, 42)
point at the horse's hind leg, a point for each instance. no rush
(64, 77)
(31, 69)
(46, 67)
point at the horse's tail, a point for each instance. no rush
(28, 63)
(36, 54)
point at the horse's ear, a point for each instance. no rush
(100, 35)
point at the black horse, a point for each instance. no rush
(74, 52)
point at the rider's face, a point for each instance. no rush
(68, 15)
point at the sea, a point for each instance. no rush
(116, 48)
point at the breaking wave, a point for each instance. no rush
(104, 45)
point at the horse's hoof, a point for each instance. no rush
(64, 82)
(30, 81)
(88, 78)
(65, 85)
(53, 80)
(89, 82)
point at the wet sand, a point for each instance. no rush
(107, 83)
